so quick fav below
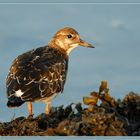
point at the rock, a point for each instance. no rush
(110, 118)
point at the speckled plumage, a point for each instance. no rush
(40, 74)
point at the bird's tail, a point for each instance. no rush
(14, 101)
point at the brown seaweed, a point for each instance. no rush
(109, 117)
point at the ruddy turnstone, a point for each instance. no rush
(40, 74)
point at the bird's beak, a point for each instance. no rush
(85, 44)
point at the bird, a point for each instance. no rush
(40, 74)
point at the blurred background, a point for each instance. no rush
(114, 29)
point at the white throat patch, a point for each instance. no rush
(66, 48)
(72, 47)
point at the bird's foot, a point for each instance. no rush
(30, 116)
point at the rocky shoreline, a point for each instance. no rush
(109, 118)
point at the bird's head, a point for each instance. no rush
(67, 39)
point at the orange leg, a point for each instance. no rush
(30, 109)
(47, 109)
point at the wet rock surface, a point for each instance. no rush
(110, 118)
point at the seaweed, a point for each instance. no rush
(109, 117)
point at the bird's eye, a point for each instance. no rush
(69, 36)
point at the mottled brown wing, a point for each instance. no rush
(16, 73)
(54, 81)
(38, 74)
